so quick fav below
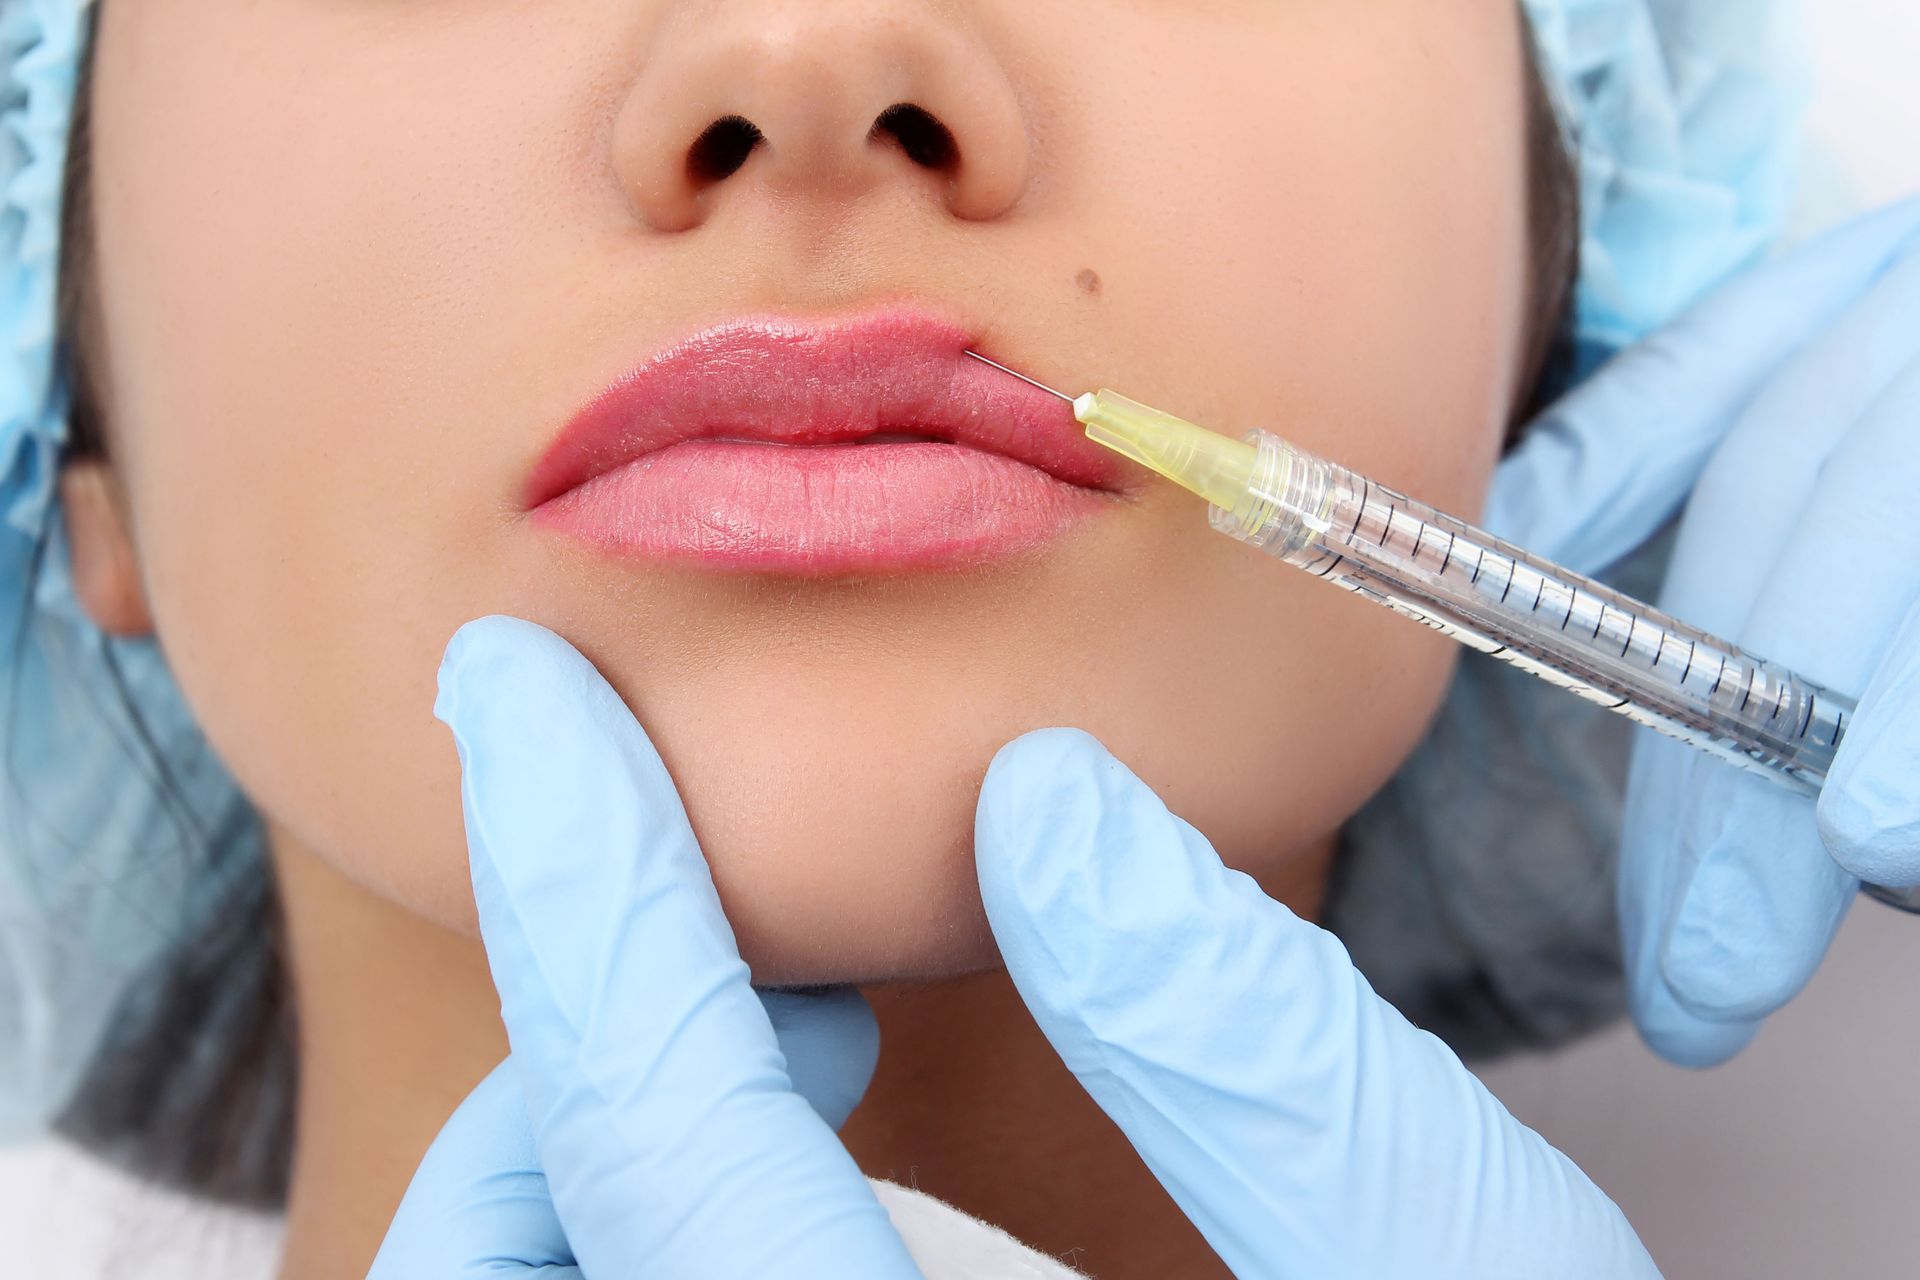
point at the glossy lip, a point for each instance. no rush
(741, 447)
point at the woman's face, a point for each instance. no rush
(360, 263)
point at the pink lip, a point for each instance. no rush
(741, 447)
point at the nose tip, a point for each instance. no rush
(824, 100)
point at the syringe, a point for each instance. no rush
(1489, 594)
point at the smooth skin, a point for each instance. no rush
(324, 386)
(1300, 1122)
(440, 229)
(357, 263)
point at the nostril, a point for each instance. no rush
(722, 148)
(926, 141)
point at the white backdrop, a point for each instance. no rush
(1802, 1157)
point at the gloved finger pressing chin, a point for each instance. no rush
(1302, 1124)
(659, 1102)
(1603, 469)
(1763, 895)
(478, 1206)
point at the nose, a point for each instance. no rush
(818, 100)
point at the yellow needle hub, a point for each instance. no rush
(1218, 468)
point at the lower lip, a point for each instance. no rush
(820, 509)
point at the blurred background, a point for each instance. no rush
(1802, 1158)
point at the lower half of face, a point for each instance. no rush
(829, 742)
(329, 391)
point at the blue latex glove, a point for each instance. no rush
(1792, 397)
(649, 1120)
(1306, 1127)
(1303, 1125)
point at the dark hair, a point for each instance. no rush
(199, 1091)
(1553, 234)
(195, 1087)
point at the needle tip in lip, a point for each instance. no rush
(1023, 377)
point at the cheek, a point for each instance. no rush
(1340, 252)
(311, 322)
(329, 378)
(1281, 725)
(1271, 705)
(1334, 252)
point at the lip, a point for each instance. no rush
(749, 445)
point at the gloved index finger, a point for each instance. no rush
(659, 1100)
(1605, 468)
(1281, 1103)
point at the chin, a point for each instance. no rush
(865, 879)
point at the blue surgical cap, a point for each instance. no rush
(120, 832)
(1685, 118)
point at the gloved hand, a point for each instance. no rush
(1302, 1123)
(1792, 397)
(651, 1103)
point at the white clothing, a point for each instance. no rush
(65, 1213)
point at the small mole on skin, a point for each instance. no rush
(1088, 280)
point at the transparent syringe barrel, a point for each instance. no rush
(1570, 630)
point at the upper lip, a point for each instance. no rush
(797, 381)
